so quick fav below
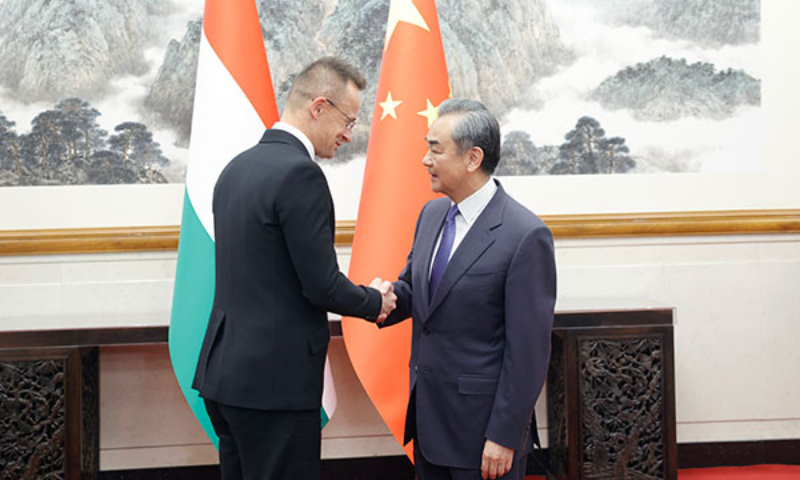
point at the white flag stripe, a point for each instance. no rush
(329, 399)
(216, 138)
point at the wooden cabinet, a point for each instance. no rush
(611, 396)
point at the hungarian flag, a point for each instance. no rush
(234, 102)
(413, 82)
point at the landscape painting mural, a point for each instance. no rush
(100, 91)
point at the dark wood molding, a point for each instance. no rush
(613, 319)
(736, 454)
(135, 335)
(88, 337)
(733, 222)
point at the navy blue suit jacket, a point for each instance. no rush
(481, 346)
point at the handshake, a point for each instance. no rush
(388, 298)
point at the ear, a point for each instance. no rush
(316, 107)
(475, 159)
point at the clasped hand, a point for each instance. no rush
(388, 298)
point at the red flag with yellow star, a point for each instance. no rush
(413, 81)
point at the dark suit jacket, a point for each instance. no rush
(481, 346)
(276, 276)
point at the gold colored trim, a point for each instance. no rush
(88, 240)
(731, 222)
(345, 230)
(735, 222)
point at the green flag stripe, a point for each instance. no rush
(191, 306)
(324, 417)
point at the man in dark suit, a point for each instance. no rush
(260, 369)
(480, 284)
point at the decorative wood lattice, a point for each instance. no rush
(32, 419)
(622, 406)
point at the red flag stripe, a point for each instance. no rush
(242, 54)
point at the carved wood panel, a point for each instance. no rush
(49, 402)
(610, 397)
(32, 419)
(622, 408)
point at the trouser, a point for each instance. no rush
(266, 445)
(429, 471)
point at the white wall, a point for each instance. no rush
(737, 325)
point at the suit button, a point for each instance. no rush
(426, 332)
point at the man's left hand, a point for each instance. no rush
(496, 460)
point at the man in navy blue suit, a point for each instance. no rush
(480, 284)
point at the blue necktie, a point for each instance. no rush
(443, 254)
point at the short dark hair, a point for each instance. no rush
(326, 77)
(474, 127)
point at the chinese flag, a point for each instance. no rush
(413, 81)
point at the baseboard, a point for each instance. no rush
(371, 468)
(690, 455)
(736, 454)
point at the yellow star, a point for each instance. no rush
(390, 106)
(431, 112)
(403, 11)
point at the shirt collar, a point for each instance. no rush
(473, 205)
(291, 129)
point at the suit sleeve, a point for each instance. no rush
(403, 287)
(305, 211)
(530, 294)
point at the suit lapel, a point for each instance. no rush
(479, 238)
(429, 233)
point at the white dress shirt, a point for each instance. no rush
(468, 211)
(291, 129)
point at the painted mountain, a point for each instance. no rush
(51, 50)
(666, 89)
(711, 23)
(494, 51)
(101, 91)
